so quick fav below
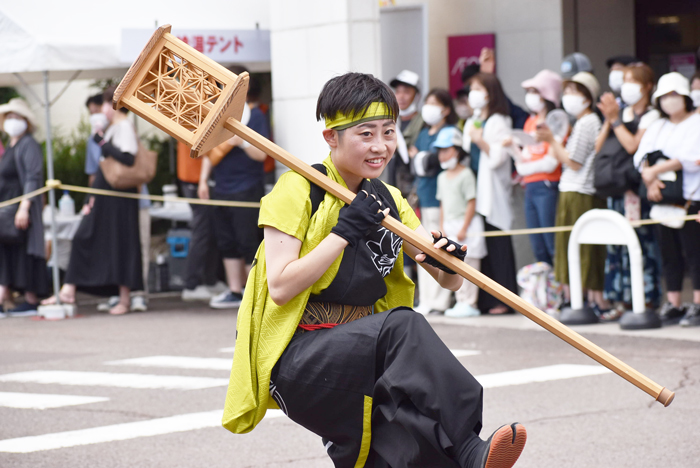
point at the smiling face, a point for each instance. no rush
(362, 151)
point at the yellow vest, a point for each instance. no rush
(264, 329)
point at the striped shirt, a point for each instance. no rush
(581, 148)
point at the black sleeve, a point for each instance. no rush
(109, 150)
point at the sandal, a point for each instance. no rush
(119, 309)
(52, 300)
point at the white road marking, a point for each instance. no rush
(180, 362)
(109, 379)
(465, 352)
(227, 350)
(539, 374)
(42, 401)
(126, 431)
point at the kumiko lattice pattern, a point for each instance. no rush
(181, 91)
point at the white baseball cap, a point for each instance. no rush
(406, 77)
(671, 82)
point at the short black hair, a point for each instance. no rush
(688, 106)
(254, 89)
(583, 90)
(96, 100)
(469, 71)
(625, 60)
(445, 98)
(352, 93)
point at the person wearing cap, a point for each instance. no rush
(576, 190)
(575, 63)
(677, 136)
(459, 221)
(326, 332)
(623, 129)
(23, 264)
(540, 169)
(406, 86)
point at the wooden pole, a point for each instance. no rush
(552, 325)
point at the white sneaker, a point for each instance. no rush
(421, 309)
(105, 306)
(461, 310)
(218, 288)
(138, 304)
(200, 293)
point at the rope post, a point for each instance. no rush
(52, 192)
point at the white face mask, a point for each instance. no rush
(695, 96)
(411, 109)
(15, 127)
(574, 104)
(534, 102)
(672, 104)
(463, 111)
(631, 93)
(432, 114)
(98, 122)
(449, 164)
(615, 80)
(477, 99)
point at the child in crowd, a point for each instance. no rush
(456, 190)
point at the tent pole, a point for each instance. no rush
(52, 192)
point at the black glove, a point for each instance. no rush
(357, 219)
(457, 252)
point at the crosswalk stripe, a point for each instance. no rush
(109, 379)
(227, 350)
(539, 374)
(180, 362)
(43, 401)
(125, 431)
(465, 352)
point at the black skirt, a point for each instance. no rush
(499, 265)
(381, 391)
(21, 271)
(106, 250)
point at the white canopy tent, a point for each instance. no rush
(77, 39)
(30, 56)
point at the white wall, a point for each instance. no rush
(307, 50)
(528, 36)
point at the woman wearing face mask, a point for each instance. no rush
(677, 136)
(540, 169)
(695, 91)
(438, 114)
(23, 264)
(106, 254)
(489, 129)
(620, 136)
(576, 190)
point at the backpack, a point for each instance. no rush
(316, 193)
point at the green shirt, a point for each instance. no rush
(455, 192)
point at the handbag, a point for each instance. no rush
(670, 215)
(672, 193)
(9, 234)
(123, 177)
(613, 168)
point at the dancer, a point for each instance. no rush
(381, 389)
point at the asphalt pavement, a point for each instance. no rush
(147, 390)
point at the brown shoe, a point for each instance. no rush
(505, 446)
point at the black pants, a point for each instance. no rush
(203, 257)
(237, 233)
(383, 388)
(499, 265)
(680, 248)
